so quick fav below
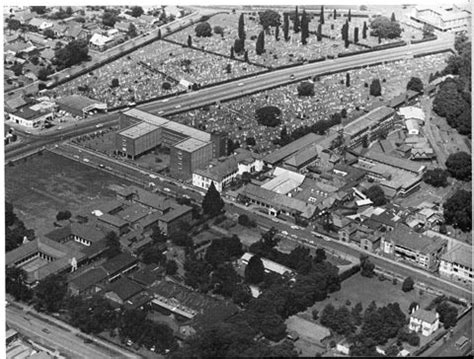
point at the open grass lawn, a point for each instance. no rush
(48, 183)
(364, 290)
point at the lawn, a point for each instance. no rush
(45, 184)
(361, 289)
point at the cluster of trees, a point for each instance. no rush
(63, 215)
(110, 17)
(376, 195)
(73, 53)
(458, 210)
(245, 221)
(459, 165)
(436, 177)
(367, 268)
(343, 320)
(269, 18)
(306, 88)
(385, 28)
(15, 230)
(268, 116)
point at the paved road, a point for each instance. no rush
(279, 77)
(58, 338)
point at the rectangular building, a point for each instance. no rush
(189, 155)
(138, 139)
(281, 154)
(456, 263)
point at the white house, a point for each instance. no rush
(423, 321)
(99, 41)
(30, 118)
(270, 266)
(343, 347)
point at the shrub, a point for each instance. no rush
(115, 83)
(203, 29)
(306, 89)
(166, 86)
(268, 116)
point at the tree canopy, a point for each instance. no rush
(436, 177)
(458, 210)
(375, 88)
(73, 53)
(376, 195)
(254, 271)
(16, 283)
(212, 204)
(306, 88)
(459, 165)
(384, 28)
(415, 84)
(269, 18)
(408, 284)
(49, 293)
(136, 11)
(268, 116)
(203, 29)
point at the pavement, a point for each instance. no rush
(63, 338)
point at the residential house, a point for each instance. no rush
(76, 32)
(40, 24)
(423, 321)
(364, 237)
(417, 249)
(100, 42)
(23, 16)
(269, 266)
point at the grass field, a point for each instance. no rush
(361, 289)
(45, 184)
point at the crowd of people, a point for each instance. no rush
(137, 83)
(237, 117)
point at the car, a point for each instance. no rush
(86, 160)
(129, 343)
(166, 189)
(292, 76)
(87, 340)
(293, 236)
(177, 106)
(101, 165)
(165, 100)
(58, 128)
(76, 156)
(153, 348)
(240, 84)
(153, 176)
(99, 125)
(186, 196)
(159, 113)
(295, 227)
(46, 330)
(284, 233)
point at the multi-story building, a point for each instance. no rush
(443, 19)
(456, 263)
(423, 321)
(418, 249)
(188, 156)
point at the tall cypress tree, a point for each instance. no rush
(334, 14)
(190, 41)
(349, 16)
(320, 31)
(356, 35)
(260, 45)
(304, 28)
(321, 19)
(212, 204)
(255, 271)
(232, 52)
(364, 31)
(296, 22)
(246, 56)
(241, 27)
(286, 26)
(159, 34)
(277, 32)
(392, 18)
(348, 79)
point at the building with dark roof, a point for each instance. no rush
(122, 290)
(27, 117)
(120, 264)
(279, 155)
(364, 237)
(88, 282)
(417, 249)
(81, 233)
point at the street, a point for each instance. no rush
(61, 339)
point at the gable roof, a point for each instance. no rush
(291, 148)
(425, 315)
(118, 263)
(403, 235)
(88, 278)
(124, 288)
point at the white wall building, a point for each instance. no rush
(423, 321)
(456, 263)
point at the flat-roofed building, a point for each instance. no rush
(80, 105)
(27, 117)
(442, 18)
(189, 155)
(138, 139)
(456, 263)
(278, 156)
(369, 126)
(415, 248)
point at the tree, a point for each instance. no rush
(268, 116)
(408, 284)
(392, 18)
(277, 33)
(49, 33)
(73, 53)
(356, 35)
(241, 29)
(392, 351)
(304, 28)
(315, 314)
(348, 80)
(49, 294)
(260, 44)
(132, 30)
(269, 18)
(63, 215)
(375, 88)
(203, 29)
(376, 195)
(136, 11)
(306, 88)
(296, 21)
(14, 24)
(364, 31)
(334, 15)
(321, 16)
(254, 271)
(190, 41)
(115, 83)
(458, 210)
(415, 84)
(239, 46)
(286, 26)
(40, 10)
(109, 18)
(16, 283)
(171, 267)
(436, 177)
(459, 165)
(232, 52)
(384, 28)
(366, 266)
(218, 30)
(246, 56)
(212, 203)
(448, 314)
(319, 32)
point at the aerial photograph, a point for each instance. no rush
(237, 180)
